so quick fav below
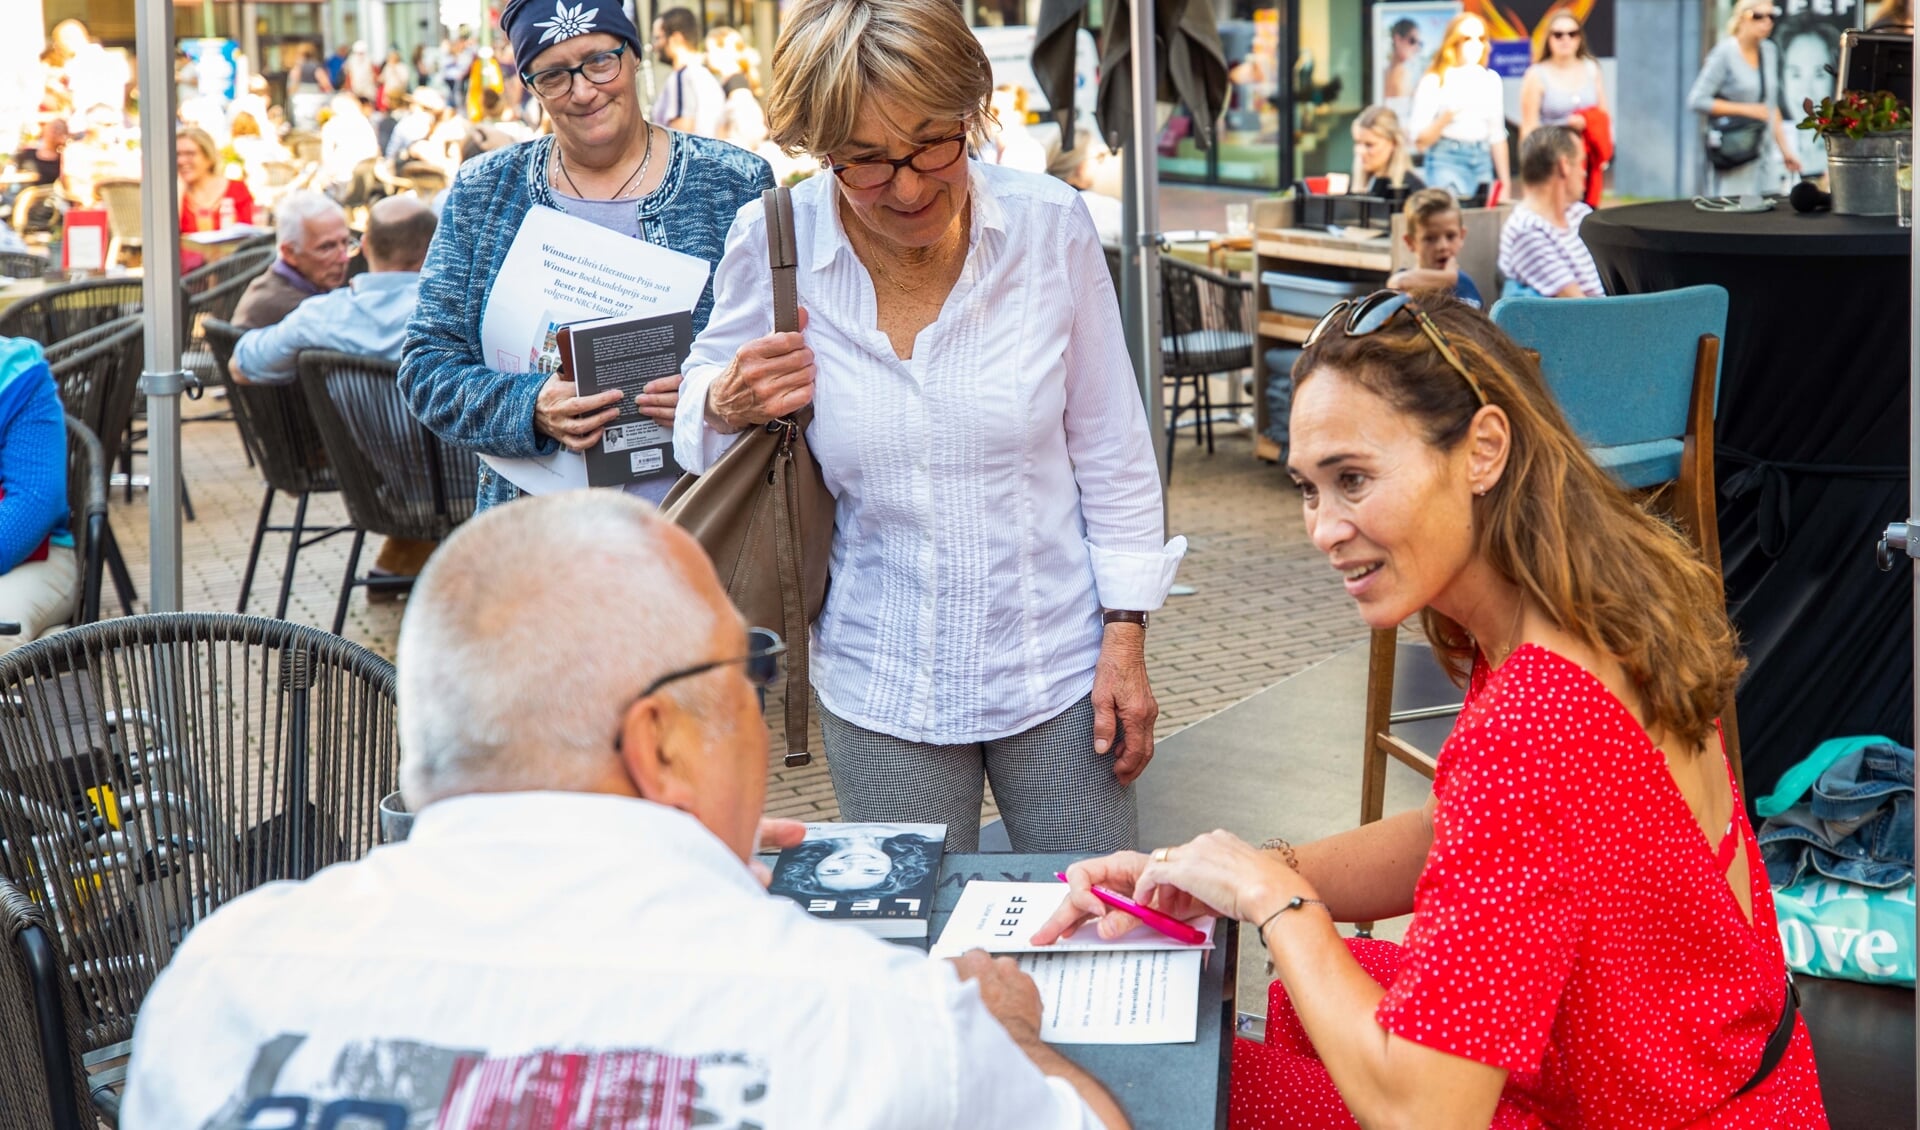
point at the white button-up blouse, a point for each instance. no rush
(991, 494)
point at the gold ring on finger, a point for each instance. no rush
(1160, 854)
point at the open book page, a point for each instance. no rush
(1122, 997)
(561, 270)
(1002, 917)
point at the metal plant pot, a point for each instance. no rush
(1860, 172)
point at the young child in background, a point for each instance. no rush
(1436, 231)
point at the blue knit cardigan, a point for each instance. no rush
(33, 454)
(443, 373)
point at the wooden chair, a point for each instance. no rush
(1646, 416)
(153, 768)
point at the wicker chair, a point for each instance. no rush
(34, 210)
(61, 312)
(1204, 318)
(121, 198)
(211, 292)
(397, 478)
(154, 768)
(23, 265)
(98, 375)
(40, 1068)
(87, 504)
(278, 430)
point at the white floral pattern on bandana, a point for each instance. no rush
(567, 23)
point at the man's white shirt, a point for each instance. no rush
(602, 959)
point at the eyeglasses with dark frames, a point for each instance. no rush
(1564, 33)
(599, 69)
(1761, 14)
(929, 158)
(764, 649)
(1359, 317)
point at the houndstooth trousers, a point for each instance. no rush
(1055, 793)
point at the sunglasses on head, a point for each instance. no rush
(1359, 317)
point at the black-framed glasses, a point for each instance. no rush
(929, 158)
(600, 69)
(764, 649)
(1564, 33)
(1359, 317)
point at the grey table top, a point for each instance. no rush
(1161, 1086)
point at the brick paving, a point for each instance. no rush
(1266, 604)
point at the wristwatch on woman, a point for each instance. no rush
(1123, 616)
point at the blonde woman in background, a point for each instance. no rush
(1563, 81)
(1459, 117)
(743, 120)
(1012, 146)
(1382, 158)
(1740, 82)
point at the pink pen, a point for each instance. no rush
(1172, 927)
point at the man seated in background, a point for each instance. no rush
(368, 316)
(315, 247)
(1540, 248)
(572, 924)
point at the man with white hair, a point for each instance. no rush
(315, 246)
(571, 933)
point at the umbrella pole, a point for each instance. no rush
(161, 379)
(1140, 237)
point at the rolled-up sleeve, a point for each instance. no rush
(1107, 437)
(442, 370)
(742, 312)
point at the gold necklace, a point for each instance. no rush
(1519, 614)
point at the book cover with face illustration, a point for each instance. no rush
(880, 876)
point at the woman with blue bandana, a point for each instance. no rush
(604, 163)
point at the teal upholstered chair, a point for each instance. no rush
(1638, 377)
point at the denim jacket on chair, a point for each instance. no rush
(442, 371)
(1856, 825)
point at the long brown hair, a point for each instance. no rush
(1545, 49)
(1595, 561)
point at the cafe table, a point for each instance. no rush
(1810, 455)
(1161, 1086)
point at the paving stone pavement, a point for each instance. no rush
(1266, 605)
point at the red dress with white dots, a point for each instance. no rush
(1572, 926)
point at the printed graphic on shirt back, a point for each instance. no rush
(409, 1085)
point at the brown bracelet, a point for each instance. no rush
(1284, 848)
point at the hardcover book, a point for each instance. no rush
(879, 877)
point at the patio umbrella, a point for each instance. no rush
(161, 378)
(1191, 65)
(1132, 75)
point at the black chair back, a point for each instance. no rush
(212, 292)
(61, 312)
(23, 265)
(153, 768)
(87, 507)
(1204, 320)
(397, 478)
(98, 375)
(274, 420)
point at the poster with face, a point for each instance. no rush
(1406, 33)
(1808, 37)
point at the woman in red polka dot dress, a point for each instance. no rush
(1593, 939)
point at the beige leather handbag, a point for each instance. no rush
(762, 511)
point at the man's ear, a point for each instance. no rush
(647, 748)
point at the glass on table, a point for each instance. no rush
(1239, 219)
(1903, 179)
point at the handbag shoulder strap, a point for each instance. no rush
(783, 258)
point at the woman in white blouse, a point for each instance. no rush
(998, 532)
(1459, 114)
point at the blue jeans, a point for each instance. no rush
(1459, 166)
(1857, 825)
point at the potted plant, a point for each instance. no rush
(1862, 131)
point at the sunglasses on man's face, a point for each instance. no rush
(764, 649)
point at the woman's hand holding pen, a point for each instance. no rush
(769, 378)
